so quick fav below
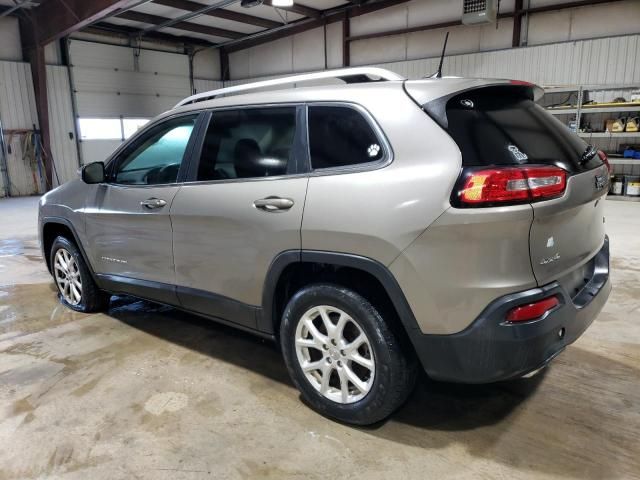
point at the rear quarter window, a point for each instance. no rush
(340, 136)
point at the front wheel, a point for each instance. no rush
(76, 287)
(343, 356)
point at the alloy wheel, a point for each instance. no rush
(335, 354)
(67, 275)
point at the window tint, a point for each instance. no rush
(156, 157)
(503, 126)
(340, 136)
(248, 143)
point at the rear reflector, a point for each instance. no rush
(532, 311)
(500, 185)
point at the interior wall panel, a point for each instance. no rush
(18, 111)
(206, 64)
(598, 61)
(10, 47)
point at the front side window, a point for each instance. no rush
(248, 143)
(341, 137)
(156, 157)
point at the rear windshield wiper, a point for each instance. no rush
(588, 154)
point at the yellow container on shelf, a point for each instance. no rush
(633, 124)
(632, 186)
(618, 125)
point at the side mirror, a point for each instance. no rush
(93, 173)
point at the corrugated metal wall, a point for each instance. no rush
(18, 111)
(612, 61)
(63, 137)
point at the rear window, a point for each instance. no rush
(502, 126)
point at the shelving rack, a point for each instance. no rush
(578, 111)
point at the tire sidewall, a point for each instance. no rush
(369, 320)
(85, 276)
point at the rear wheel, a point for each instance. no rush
(76, 287)
(342, 355)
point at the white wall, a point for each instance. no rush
(17, 112)
(304, 51)
(297, 53)
(10, 48)
(206, 64)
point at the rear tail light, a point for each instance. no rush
(605, 160)
(531, 311)
(509, 185)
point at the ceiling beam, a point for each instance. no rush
(299, 26)
(187, 26)
(190, 6)
(104, 28)
(20, 4)
(299, 9)
(55, 19)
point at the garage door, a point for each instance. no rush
(118, 88)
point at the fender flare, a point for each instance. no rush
(266, 320)
(67, 223)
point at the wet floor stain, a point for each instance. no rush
(147, 391)
(166, 402)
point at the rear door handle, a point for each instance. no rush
(153, 203)
(273, 204)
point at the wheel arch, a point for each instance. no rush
(291, 270)
(53, 227)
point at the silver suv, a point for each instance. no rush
(368, 227)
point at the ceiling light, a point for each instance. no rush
(282, 3)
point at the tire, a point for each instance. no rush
(63, 253)
(385, 372)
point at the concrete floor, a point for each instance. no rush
(149, 392)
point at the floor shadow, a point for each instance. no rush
(201, 335)
(456, 407)
(558, 422)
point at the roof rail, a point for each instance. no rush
(348, 75)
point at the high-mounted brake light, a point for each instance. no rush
(531, 311)
(521, 82)
(605, 159)
(503, 185)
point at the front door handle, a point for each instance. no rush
(273, 204)
(152, 203)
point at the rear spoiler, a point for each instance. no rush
(433, 94)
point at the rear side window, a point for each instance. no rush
(248, 143)
(341, 137)
(502, 126)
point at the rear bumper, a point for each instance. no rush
(491, 350)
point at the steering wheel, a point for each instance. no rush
(168, 173)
